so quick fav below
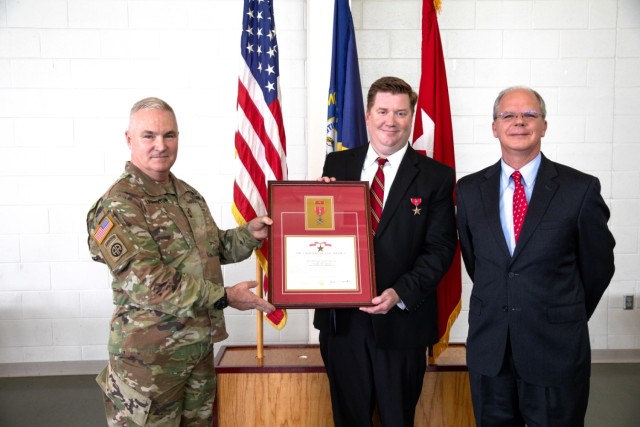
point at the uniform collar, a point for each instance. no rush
(149, 186)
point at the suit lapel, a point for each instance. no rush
(355, 162)
(407, 172)
(490, 195)
(543, 191)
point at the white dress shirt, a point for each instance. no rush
(529, 173)
(390, 169)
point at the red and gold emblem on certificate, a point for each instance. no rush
(318, 212)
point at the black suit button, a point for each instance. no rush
(511, 275)
(505, 308)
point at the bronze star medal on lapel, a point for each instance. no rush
(416, 202)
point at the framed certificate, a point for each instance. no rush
(320, 244)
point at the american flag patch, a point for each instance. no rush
(103, 229)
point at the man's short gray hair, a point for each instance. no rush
(543, 107)
(151, 103)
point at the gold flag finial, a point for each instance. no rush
(437, 5)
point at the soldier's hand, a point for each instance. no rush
(241, 297)
(259, 227)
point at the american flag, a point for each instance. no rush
(103, 229)
(260, 140)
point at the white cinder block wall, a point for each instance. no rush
(71, 69)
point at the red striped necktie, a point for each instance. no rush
(377, 195)
(520, 204)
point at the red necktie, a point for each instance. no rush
(519, 204)
(377, 195)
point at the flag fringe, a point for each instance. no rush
(443, 344)
(437, 5)
(282, 322)
(237, 215)
(240, 220)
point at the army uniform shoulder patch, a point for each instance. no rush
(112, 242)
(103, 229)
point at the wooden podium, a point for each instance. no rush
(290, 388)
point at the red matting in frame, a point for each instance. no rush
(320, 245)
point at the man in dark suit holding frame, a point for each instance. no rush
(536, 245)
(376, 355)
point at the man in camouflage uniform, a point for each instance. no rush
(164, 250)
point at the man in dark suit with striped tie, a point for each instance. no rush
(376, 355)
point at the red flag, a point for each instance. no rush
(260, 139)
(433, 136)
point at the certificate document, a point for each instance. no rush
(320, 263)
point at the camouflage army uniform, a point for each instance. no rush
(164, 251)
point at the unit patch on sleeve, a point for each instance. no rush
(113, 242)
(114, 249)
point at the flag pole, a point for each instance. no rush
(259, 324)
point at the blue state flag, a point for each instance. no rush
(345, 120)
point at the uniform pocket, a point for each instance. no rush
(131, 404)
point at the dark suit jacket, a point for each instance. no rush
(543, 295)
(412, 252)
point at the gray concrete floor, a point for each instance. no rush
(76, 401)
(69, 401)
(614, 399)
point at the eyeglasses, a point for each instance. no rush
(508, 116)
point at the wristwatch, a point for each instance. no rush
(223, 302)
